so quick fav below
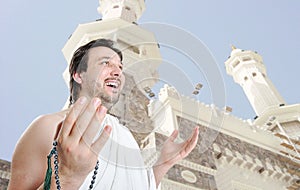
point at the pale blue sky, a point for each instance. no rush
(33, 33)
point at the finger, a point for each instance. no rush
(84, 119)
(195, 134)
(72, 116)
(101, 140)
(173, 136)
(94, 125)
(191, 143)
(58, 129)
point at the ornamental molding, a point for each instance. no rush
(167, 184)
(197, 167)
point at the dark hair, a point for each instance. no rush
(79, 64)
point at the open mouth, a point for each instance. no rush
(112, 83)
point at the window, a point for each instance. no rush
(246, 58)
(235, 63)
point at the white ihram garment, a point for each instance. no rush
(121, 166)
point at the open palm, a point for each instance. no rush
(173, 152)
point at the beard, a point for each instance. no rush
(106, 100)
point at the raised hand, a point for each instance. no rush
(172, 152)
(77, 149)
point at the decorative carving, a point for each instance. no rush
(204, 181)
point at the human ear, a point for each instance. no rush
(77, 78)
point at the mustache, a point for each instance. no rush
(113, 78)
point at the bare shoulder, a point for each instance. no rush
(50, 118)
(47, 122)
(29, 159)
(43, 128)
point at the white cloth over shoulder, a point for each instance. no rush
(121, 165)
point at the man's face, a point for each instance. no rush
(104, 76)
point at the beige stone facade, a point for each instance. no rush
(232, 155)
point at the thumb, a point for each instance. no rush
(173, 136)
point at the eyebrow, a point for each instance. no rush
(107, 57)
(104, 57)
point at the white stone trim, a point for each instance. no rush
(167, 184)
(241, 186)
(185, 163)
(197, 167)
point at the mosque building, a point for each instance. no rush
(231, 153)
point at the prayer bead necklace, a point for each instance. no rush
(47, 182)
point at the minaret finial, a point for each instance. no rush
(233, 47)
(129, 10)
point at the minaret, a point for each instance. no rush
(129, 10)
(248, 70)
(141, 54)
(118, 23)
(282, 120)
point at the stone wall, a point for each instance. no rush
(204, 155)
(206, 159)
(4, 174)
(209, 136)
(132, 110)
(203, 180)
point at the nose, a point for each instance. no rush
(116, 71)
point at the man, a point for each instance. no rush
(85, 134)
